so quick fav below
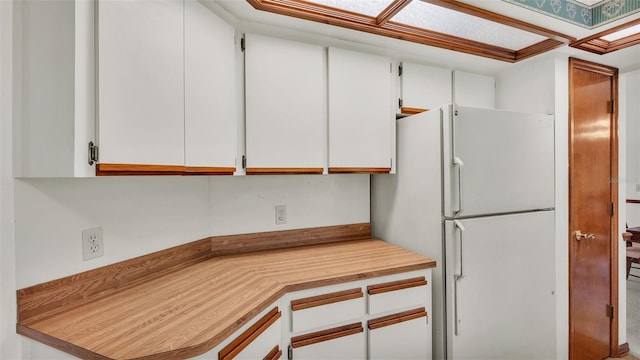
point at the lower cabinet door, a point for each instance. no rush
(405, 335)
(344, 343)
(260, 341)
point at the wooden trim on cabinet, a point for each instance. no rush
(325, 335)
(396, 285)
(236, 244)
(282, 171)
(633, 201)
(137, 169)
(325, 299)
(274, 354)
(358, 170)
(412, 111)
(396, 318)
(205, 170)
(241, 342)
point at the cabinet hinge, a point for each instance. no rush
(242, 44)
(244, 162)
(612, 209)
(399, 102)
(611, 311)
(611, 105)
(290, 353)
(400, 69)
(93, 153)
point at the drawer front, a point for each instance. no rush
(402, 336)
(344, 342)
(401, 294)
(258, 341)
(324, 310)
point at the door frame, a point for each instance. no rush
(578, 64)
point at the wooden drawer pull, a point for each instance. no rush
(236, 346)
(325, 299)
(325, 335)
(396, 285)
(274, 354)
(276, 171)
(358, 170)
(396, 318)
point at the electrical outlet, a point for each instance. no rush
(92, 245)
(281, 214)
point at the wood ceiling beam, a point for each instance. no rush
(391, 10)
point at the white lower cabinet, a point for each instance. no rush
(405, 336)
(380, 318)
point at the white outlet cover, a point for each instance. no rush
(92, 244)
(281, 214)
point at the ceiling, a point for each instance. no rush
(247, 18)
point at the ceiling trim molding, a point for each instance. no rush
(381, 25)
(597, 44)
(589, 17)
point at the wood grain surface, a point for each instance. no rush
(197, 301)
(236, 244)
(325, 335)
(396, 318)
(324, 299)
(137, 169)
(241, 342)
(359, 170)
(396, 285)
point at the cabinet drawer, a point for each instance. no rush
(324, 310)
(404, 335)
(399, 294)
(258, 342)
(344, 342)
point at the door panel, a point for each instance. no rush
(505, 161)
(503, 302)
(592, 129)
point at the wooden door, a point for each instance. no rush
(592, 203)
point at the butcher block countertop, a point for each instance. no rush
(184, 301)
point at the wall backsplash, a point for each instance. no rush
(140, 215)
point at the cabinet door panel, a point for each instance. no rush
(140, 82)
(285, 104)
(406, 340)
(210, 90)
(360, 115)
(425, 87)
(347, 347)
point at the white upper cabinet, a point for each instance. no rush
(361, 118)
(55, 88)
(285, 87)
(210, 119)
(474, 90)
(424, 87)
(141, 83)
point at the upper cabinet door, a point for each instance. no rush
(474, 90)
(141, 85)
(210, 92)
(285, 106)
(361, 118)
(424, 87)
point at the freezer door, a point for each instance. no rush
(500, 286)
(496, 161)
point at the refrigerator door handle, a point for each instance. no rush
(458, 274)
(457, 162)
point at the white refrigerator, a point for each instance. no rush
(474, 190)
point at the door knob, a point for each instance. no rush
(579, 235)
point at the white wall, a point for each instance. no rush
(9, 341)
(541, 85)
(632, 109)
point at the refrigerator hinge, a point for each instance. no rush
(611, 311)
(242, 44)
(244, 162)
(93, 153)
(399, 103)
(612, 209)
(290, 353)
(400, 69)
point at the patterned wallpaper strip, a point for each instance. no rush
(579, 14)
